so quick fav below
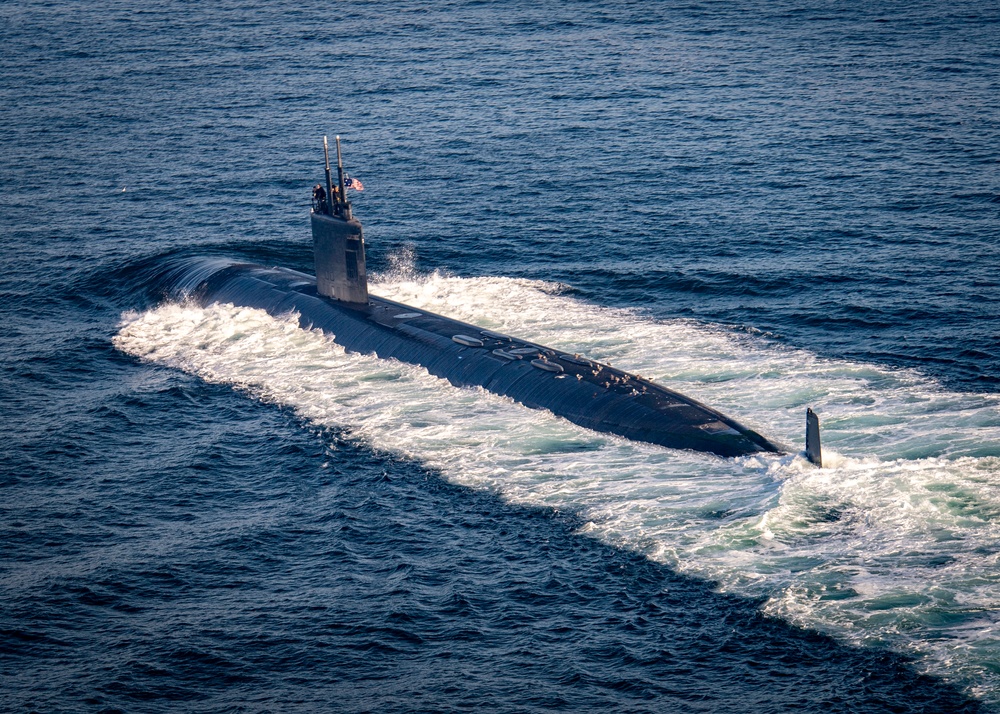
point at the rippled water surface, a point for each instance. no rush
(208, 509)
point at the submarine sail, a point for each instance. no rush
(338, 241)
(587, 392)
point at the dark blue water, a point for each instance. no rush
(822, 177)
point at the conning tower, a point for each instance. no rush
(338, 243)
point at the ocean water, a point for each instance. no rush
(764, 207)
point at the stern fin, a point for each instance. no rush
(814, 452)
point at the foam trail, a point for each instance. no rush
(895, 544)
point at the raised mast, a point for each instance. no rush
(340, 178)
(329, 179)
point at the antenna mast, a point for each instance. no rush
(340, 177)
(329, 180)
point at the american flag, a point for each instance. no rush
(354, 183)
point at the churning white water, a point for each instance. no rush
(894, 542)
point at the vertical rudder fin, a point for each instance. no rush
(814, 452)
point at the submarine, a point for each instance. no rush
(587, 392)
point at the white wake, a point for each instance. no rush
(894, 543)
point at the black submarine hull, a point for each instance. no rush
(588, 393)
